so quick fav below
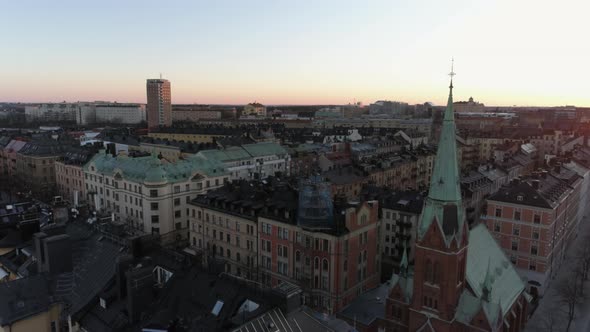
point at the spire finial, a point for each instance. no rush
(452, 73)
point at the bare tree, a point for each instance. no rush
(551, 319)
(569, 294)
(583, 254)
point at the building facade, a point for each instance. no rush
(159, 103)
(148, 194)
(263, 234)
(533, 220)
(120, 113)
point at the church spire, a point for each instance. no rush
(403, 266)
(444, 196)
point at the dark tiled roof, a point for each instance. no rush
(22, 298)
(94, 267)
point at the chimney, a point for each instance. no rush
(38, 239)
(140, 281)
(122, 264)
(535, 184)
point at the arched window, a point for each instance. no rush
(298, 256)
(325, 264)
(316, 263)
(428, 276)
(435, 273)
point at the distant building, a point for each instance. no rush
(159, 103)
(196, 113)
(120, 113)
(469, 106)
(50, 112)
(256, 109)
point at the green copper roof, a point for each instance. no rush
(443, 203)
(487, 266)
(150, 169)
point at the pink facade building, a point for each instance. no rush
(533, 220)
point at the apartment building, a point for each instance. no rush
(149, 194)
(8, 157)
(273, 233)
(35, 164)
(533, 220)
(251, 161)
(69, 175)
(400, 213)
(119, 113)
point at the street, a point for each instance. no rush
(550, 314)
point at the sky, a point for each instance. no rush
(297, 52)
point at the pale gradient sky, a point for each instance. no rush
(519, 52)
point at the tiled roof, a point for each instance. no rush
(22, 298)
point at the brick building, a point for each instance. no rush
(273, 233)
(533, 220)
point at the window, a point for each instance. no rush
(316, 263)
(498, 212)
(325, 264)
(227, 238)
(176, 189)
(154, 206)
(516, 230)
(176, 201)
(516, 215)
(326, 244)
(298, 256)
(534, 249)
(154, 193)
(177, 214)
(515, 245)
(519, 198)
(497, 226)
(155, 219)
(513, 259)
(428, 271)
(537, 219)
(535, 234)
(533, 266)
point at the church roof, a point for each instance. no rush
(487, 264)
(443, 203)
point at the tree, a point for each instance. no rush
(551, 319)
(569, 293)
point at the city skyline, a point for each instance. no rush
(525, 54)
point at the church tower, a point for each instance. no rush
(441, 241)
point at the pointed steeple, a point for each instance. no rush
(403, 266)
(487, 284)
(444, 196)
